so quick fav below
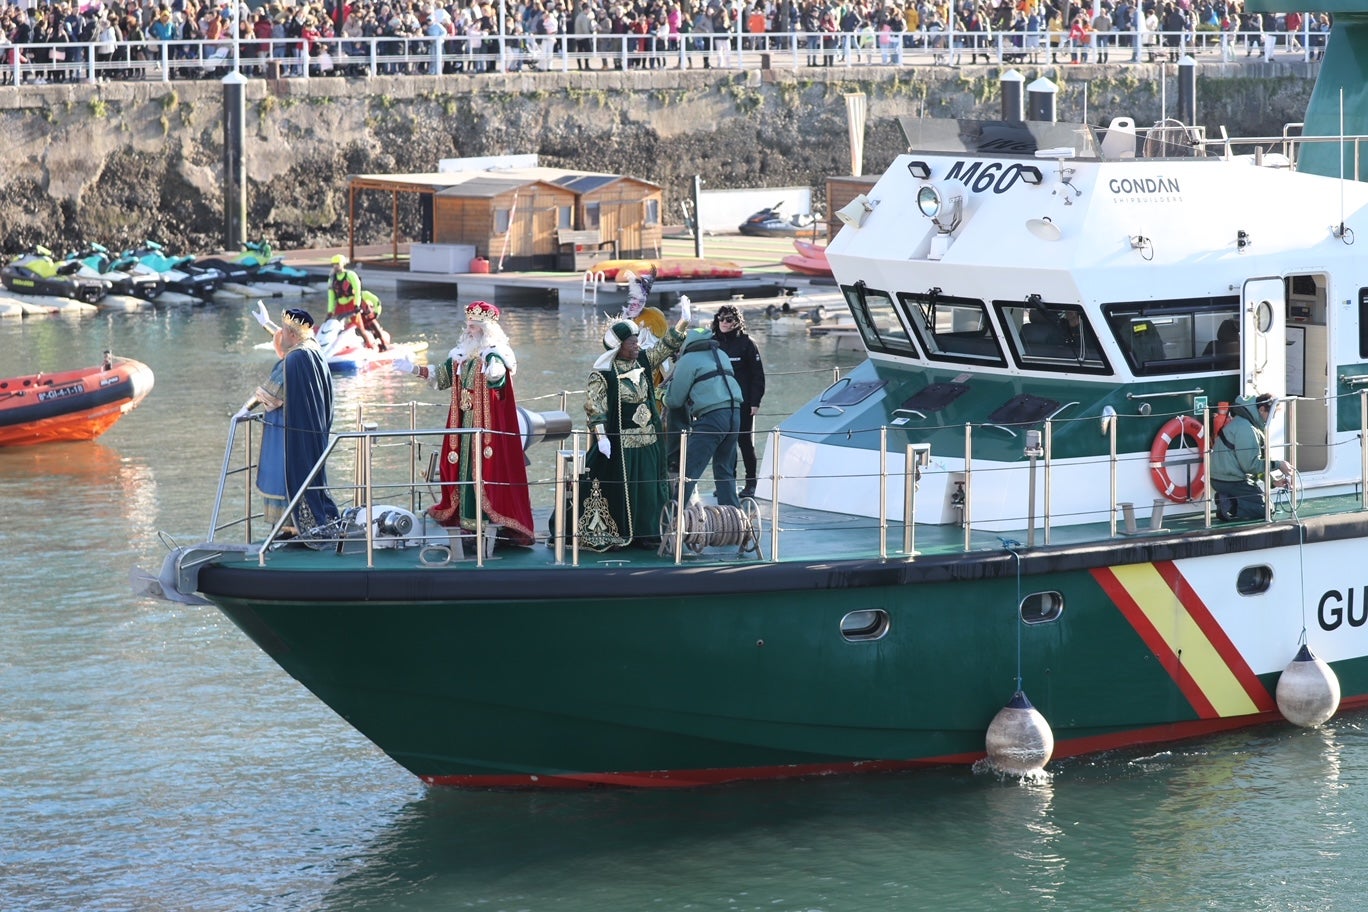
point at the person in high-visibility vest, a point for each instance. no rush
(352, 307)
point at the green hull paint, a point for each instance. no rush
(649, 684)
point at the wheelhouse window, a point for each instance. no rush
(951, 328)
(1178, 337)
(591, 216)
(502, 218)
(565, 217)
(1051, 336)
(651, 215)
(877, 320)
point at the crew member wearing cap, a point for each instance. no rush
(1237, 459)
(626, 467)
(479, 372)
(352, 307)
(298, 402)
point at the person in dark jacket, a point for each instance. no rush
(703, 384)
(729, 330)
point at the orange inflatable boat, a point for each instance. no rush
(77, 404)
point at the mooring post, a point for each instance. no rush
(234, 161)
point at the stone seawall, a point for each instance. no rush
(119, 162)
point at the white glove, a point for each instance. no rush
(242, 414)
(605, 446)
(262, 316)
(403, 365)
(495, 369)
(685, 309)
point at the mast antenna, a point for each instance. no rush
(1342, 231)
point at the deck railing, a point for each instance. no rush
(386, 468)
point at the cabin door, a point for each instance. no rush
(1263, 354)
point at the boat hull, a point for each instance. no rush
(683, 676)
(70, 405)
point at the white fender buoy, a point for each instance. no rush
(1308, 692)
(1019, 740)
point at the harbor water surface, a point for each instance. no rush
(152, 758)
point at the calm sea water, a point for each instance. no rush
(151, 758)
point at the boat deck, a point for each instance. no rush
(803, 536)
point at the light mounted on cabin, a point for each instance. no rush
(856, 211)
(942, 203)
(1031, 174)
(1242, 240)
(919, 169)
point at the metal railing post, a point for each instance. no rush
(774, 495)
(1363, 449)
(883, 493)
(1049, 449)
(679, 496)
(968, 486)
(1111, 451)
(476, 451)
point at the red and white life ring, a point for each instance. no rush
(1176, 428)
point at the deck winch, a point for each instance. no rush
(712, 526)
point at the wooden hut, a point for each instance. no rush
(526, 218)
(510, 219)
(626, 211)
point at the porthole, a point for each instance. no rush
(863, 625)
(1041, 607)
(1254, 580)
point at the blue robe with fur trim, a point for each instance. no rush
(308, 423)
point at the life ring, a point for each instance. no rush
(1175, 429)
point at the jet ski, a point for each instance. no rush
(180, 272)
(37, 272)
(254, 263)
(126, 277)
(769, 223)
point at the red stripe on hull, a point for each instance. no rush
(1216, 635)
(1171, 662)
(662, 779)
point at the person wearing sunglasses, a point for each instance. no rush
(729, 331)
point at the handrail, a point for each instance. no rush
(153, 57)
(1165, 394)
(377, 476)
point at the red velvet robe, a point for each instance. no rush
(504, 470)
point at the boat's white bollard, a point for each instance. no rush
(1127, 516)
(1308, 692)
(1019, 740)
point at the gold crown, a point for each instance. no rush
(482, 310)
(298, 318)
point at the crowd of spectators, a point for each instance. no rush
(333, 36)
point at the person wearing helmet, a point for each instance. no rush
(351, 307)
